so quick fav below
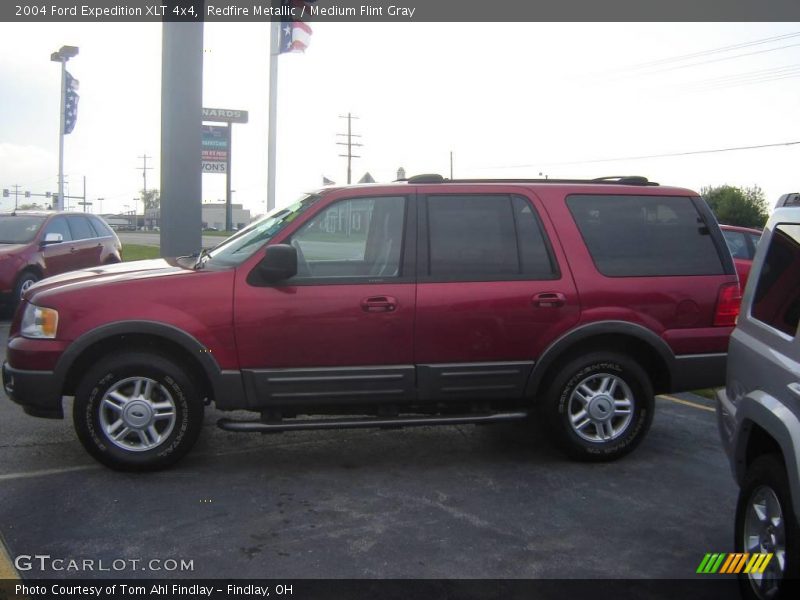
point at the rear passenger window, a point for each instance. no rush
(486, 238)
(99, 227)
(80, 228)
(645, 236)
(777, 298)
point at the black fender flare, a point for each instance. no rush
(562, 345)
(227, 387)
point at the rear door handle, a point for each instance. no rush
(379, 304)
(73, 249)
(549, 300)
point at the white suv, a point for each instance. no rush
(759, 410)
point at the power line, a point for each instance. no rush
(709, 52)
(671, 154)
(706, 62)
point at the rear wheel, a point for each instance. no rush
(766, 524)
(598, 407)
(137, 411)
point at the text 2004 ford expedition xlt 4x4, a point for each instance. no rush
(428, 301)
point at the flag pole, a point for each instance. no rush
(274, 43)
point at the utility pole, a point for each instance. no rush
(349, 143)
(16, 194)
(451, 164)
(144, 169)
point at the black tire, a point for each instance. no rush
(24, 281)
(170, 388)
(768, 474)
(601, 434)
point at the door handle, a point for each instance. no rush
(72, 249)
(794, 388)
(549, 300)
(379, 304)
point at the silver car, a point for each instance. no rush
(759, 410)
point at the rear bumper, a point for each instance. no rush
(35, 391)
(698, 371)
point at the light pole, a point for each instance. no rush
(62, 56)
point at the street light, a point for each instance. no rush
(62, 56)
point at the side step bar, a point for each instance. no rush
(360, 423)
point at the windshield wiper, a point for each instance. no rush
(198, 264)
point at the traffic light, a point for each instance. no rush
(5, 193)
(27, 194)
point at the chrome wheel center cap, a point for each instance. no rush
(601, 408)
(137, 414)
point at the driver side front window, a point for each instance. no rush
(360, 237)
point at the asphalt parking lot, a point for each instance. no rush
(449, 502)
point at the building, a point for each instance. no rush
(212, 216)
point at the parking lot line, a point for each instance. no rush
(7, 570)
(28, 474)
(686, 402)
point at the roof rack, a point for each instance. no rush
(611, 180)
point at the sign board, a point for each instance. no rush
(214, 149)
(225, 115)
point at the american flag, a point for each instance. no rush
(295, 34)
(70, 103)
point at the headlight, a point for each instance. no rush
(39, 322)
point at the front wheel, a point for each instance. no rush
(598, 407)
(137, 411)
(766, 524)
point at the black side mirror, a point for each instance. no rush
(279, 263)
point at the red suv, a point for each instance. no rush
(742, 242)
(34, 245)
(422, 302)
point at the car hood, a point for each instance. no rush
(11, 248)
(126, 271)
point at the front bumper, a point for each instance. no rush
(36, 391)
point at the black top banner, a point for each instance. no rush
(399, 10)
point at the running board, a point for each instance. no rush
(347, 423)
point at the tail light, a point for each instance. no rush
(728, 301)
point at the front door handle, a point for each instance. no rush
(379, 304)
(549, 300)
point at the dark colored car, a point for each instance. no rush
(742, 242)
(35, 245)
(430, 301)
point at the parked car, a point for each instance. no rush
(759, 411)
(431, 301)
(34, 245)
(742, 242)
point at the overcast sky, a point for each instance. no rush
(510, 100)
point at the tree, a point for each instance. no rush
(737, 206)
(151, 199)
(33, 206)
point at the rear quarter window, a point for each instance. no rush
(645, 236)
(777, 298)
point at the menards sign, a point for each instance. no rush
(225, 115)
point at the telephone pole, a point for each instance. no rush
(349, 143)
(144, 169)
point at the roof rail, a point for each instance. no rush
(612, 180)
(788, 200)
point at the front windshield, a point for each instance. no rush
(240, 246)
(19, 230)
